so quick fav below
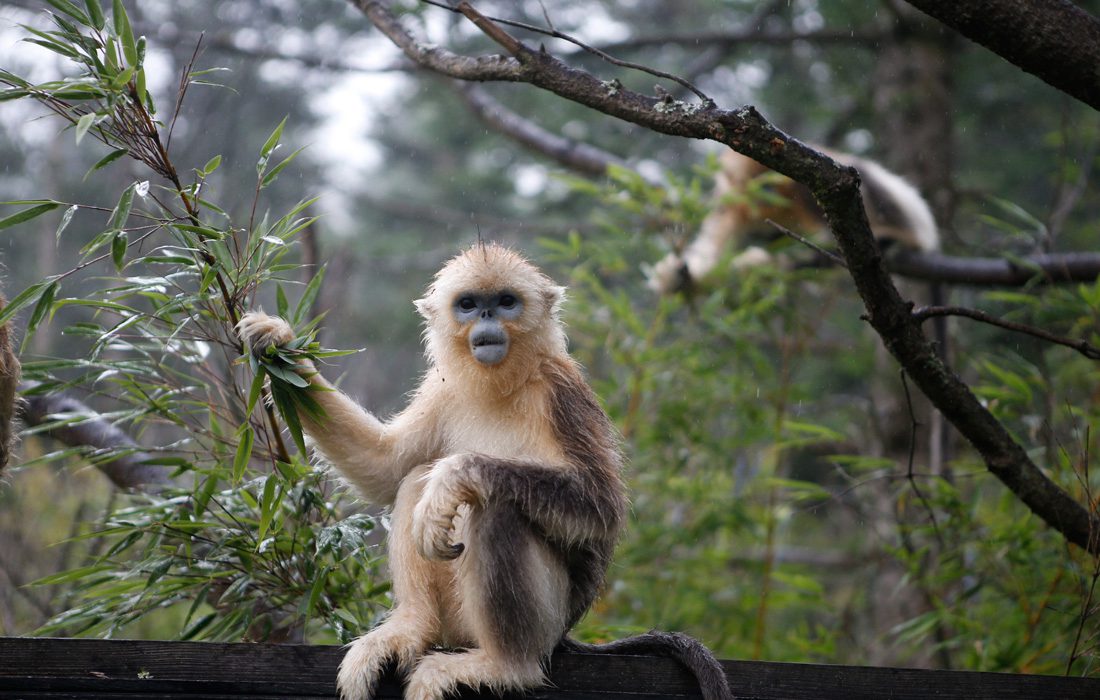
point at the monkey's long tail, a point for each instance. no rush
(687, 650)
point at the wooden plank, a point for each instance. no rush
(81, 668)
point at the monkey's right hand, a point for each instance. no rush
(258, 331)
(670, 275)
(434, 514)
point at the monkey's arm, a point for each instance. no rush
(572, 497)
(566, 503)
(720, 231)
(372, 455)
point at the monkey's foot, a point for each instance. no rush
(362, 666)
(439, 675)
(259, 331)
(433, 517)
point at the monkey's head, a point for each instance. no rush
(489, 308)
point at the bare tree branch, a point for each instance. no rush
(1082, 346)
(489, 26)
(996, 272)
(128, 468)
(574, 155)
(1054, 40)
(836, 189)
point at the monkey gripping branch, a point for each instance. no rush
(837, 191)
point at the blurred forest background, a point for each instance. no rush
(778, 512)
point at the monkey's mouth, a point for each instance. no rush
(489, 347)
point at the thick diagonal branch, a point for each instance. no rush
(1054, 40)
(837, 191)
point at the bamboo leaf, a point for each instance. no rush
(118, 249)
(140, 88)
(287, 409)
(70, 9)
(28, 214)
(244, 453)
(309, 296)
(268, 503)
(55, 47)
(122, 210)
(274, 173)
(13, 94)
(255, 390)
(83, 124)
(95, 13)
(281, 304)
(309, 603)
(125, 32)
(106, 160)
(65, 219)
(212, 165)
(269, 146)
(25, 297)
(45, 302)
(71, 575)
(285, 375)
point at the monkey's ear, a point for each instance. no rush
(424, 307)
(553, 296)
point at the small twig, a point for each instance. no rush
(486, 24)
(909, 474)
(924, 313)
(181, 91)
(546, 16)
(1088, 609)
(808, 243)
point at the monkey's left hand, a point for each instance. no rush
(433, 517)
(259, 331)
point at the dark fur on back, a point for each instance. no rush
(589, 441)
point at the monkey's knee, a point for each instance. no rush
(258, 331)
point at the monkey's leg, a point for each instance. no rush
(414, 624)
(515, 602)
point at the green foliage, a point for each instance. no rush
(246, 539)
(748, 418)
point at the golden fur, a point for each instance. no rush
(895, 210)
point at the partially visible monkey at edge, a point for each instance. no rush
(504, 475)
(895, 210)
(9, 382)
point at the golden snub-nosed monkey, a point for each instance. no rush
(895, 210)
(503, 473)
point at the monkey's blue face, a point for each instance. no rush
(485, 313)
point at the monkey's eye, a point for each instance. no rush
(507, 301)
(467, 304)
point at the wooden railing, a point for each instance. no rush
(92, 668)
